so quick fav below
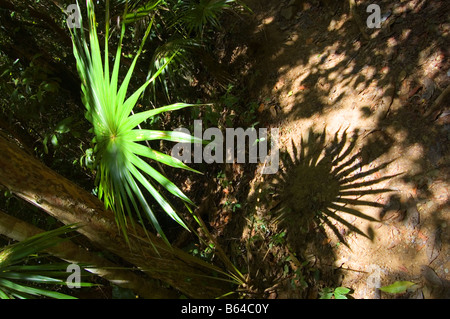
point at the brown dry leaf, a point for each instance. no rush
(434, 245)
(413, 91)
(430, 277)
(227, 218)
(413, 215)
(261, 108)
(272, 110)
(422, 236)
(419, 248)
(434, 287)
(403, 268)
(428, 88)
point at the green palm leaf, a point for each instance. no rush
(121, 172)
(23, 281)
(143, 11)
(197, 15)
(183, 51)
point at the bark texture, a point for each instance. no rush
(32, 181)
(19, 230)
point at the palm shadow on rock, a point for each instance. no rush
(322, 186)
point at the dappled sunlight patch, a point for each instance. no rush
(432, 60)
(333, 77)
(337, 23)
(268, 20)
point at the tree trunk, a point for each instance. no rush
(20, 230)
(32, 181)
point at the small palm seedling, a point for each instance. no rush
(323, 181)
(21, 278)
(121, 171)
(337, 293)
(196, 15)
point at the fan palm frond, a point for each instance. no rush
(141, 11)
(121, 169)
(18, 280)
(196, 15)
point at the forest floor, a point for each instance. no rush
(378, 156)
(361, 197)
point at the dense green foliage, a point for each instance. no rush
(183, 33)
